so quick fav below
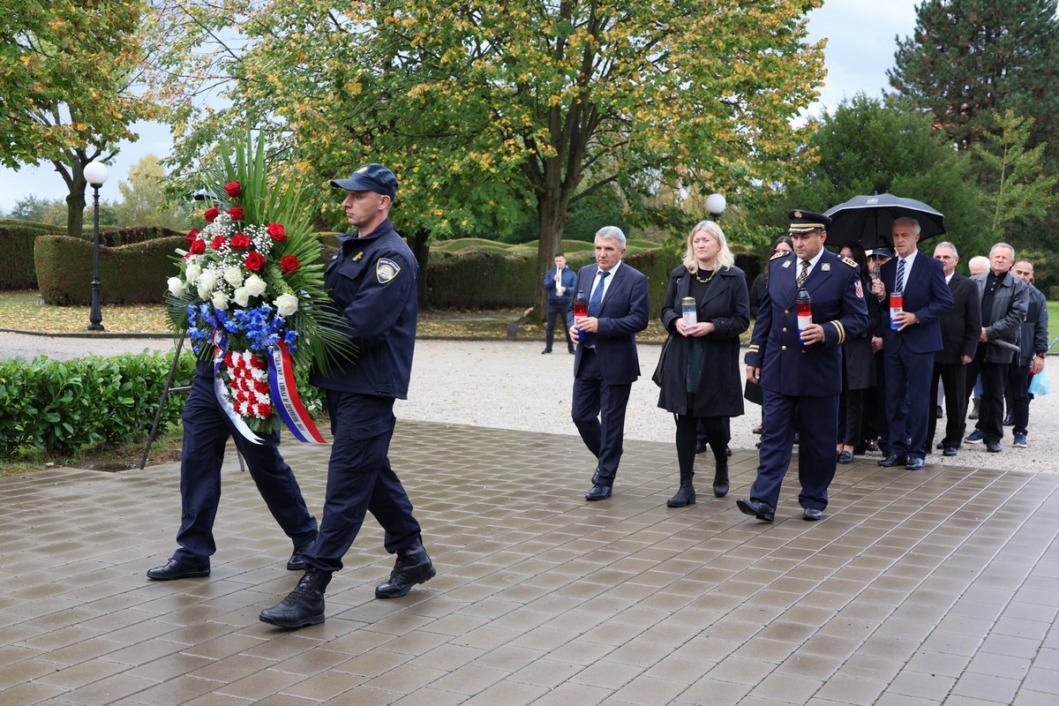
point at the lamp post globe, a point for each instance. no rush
(715, 204)
(95, 174)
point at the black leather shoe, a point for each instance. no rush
(546, 351)
(845, 457)
(598, 492)
(756, 508)
(949, 451)
(684, 496)
(297, 560)
(1009, 420)
(700, 447)
(893, 460)
(992, 447)
(915, 463)
(304, 605)
(175, 569)
(812, 514)
(940, 445)
(412, 566)
(728, 451)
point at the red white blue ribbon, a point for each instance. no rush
(285, 400)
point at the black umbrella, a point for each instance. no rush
(868, 220)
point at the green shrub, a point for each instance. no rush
(131, 274)
(16, 267)
(61, 406)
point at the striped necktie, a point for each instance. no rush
(803, 275)
(900, 285)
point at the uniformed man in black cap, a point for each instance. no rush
(800, 372)
(372, 282)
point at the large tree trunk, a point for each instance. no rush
(75, 209)
(552, 218)
(420, 244)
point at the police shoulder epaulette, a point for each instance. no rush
(780, 254)
(848, 260)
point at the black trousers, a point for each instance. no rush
(952, 379)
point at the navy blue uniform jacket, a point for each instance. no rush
(788, 367)
(624, 313)
(372, 282)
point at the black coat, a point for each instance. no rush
(962, 324)
(857, 355)
(726, 304)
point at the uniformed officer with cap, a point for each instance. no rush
(372, 282)
(801, 374)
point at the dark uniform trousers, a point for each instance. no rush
(816, 420)
(593, 396)
(206, 432)
(953, 379)
(360, 480)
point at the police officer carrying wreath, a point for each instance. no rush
(372, 281)
(800, 371)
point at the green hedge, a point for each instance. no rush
(131, 274)
(16, 267)
(62, 406)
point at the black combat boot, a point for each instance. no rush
(720, 474)
(412, 566)
(685, 494)
(304, 605)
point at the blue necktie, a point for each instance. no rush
(596, 302)
(900, 286)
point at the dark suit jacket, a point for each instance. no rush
(1010, 303)
(787, 366)
(962, 324)
(1034, 336)
(624, 313)
(927, 296)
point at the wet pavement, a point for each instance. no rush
(937, 587)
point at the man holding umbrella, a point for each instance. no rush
(910, 341)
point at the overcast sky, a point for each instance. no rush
(861, 44)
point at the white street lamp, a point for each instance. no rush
(95, 174)
(715, 204)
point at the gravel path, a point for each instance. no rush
(510, 385)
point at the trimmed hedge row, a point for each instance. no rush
(130, 274)
(62, 406)
(16, 267)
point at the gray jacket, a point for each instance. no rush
(1034, 337)
(1009, 311)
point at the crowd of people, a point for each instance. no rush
(844, 348)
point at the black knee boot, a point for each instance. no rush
(304, 605)
(720, 474)
(685, 495)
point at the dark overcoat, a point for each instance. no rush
(857, 355)
(725, 303)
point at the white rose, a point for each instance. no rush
(220, 300)
(176, 287)
(207, 282)
(286, 304)
(255, 285)
(192, 273)
(241, 296)
(233, 276)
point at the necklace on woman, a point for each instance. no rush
(707, 280)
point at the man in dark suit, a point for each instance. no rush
(910, 342)
(1004, 304)
(605, 362)
(799, 367)
(960, 327)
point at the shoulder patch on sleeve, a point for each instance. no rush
(386, 270)
(849, 261)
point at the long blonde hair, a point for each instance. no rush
(725, 258)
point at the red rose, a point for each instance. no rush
(232, 188)
(276, 232)
(228, 359)
(192, 234)
(218, 242)
(254, 261)
(236, 213)
(256, 362)
(240, 241)
(198, 247)
(211, 213)
(289, 263)
(261, 386)
(264, 411)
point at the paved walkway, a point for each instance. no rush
(918, 588)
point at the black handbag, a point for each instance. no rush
(657, 376)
